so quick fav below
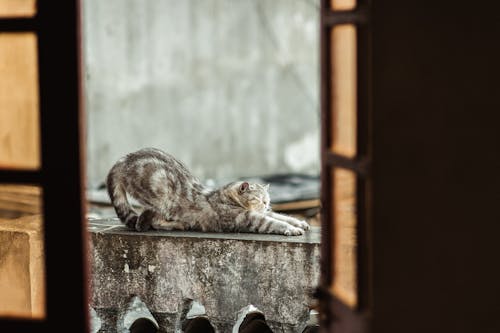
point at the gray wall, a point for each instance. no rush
(229, 87)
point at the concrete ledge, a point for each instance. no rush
(223, 272)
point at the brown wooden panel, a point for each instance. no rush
(343, 4)
(19, 101)
(344, 94)
(57, 28)
(344, 281)
(345, 167)
(17, 8)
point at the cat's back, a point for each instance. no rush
(150, 172)
(148, 155)
(147, 161)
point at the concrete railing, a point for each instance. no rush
(158, 273)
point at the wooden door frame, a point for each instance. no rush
(335, 315)
(62, 174)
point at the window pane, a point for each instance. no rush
(343, 38)
(345, 242)
(22, 273)
(19, 123)
(343, 4)
(17, 8)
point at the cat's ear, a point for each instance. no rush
(266, 187)
(243, 187)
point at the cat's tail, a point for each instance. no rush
(118, 197)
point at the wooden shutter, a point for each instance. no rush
(55, 163)
(345, 96)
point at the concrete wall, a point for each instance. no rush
(229, 87)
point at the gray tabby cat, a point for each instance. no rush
(173, 199)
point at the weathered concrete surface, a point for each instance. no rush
(229, 87)
(224, 272)
(22, 274)
(135, 309)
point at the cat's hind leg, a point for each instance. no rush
(131, 221)
(290, 220)
(151, 219)
(146, 220)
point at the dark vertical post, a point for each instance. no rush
(62, 164)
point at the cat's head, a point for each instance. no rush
(251, 196)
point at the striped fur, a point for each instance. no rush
(173, 199)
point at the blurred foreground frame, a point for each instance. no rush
(60, 174)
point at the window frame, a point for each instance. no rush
(62, 173)
(336, 315)
(57, 26)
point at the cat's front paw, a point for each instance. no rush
(293, 231)
(304, 225)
